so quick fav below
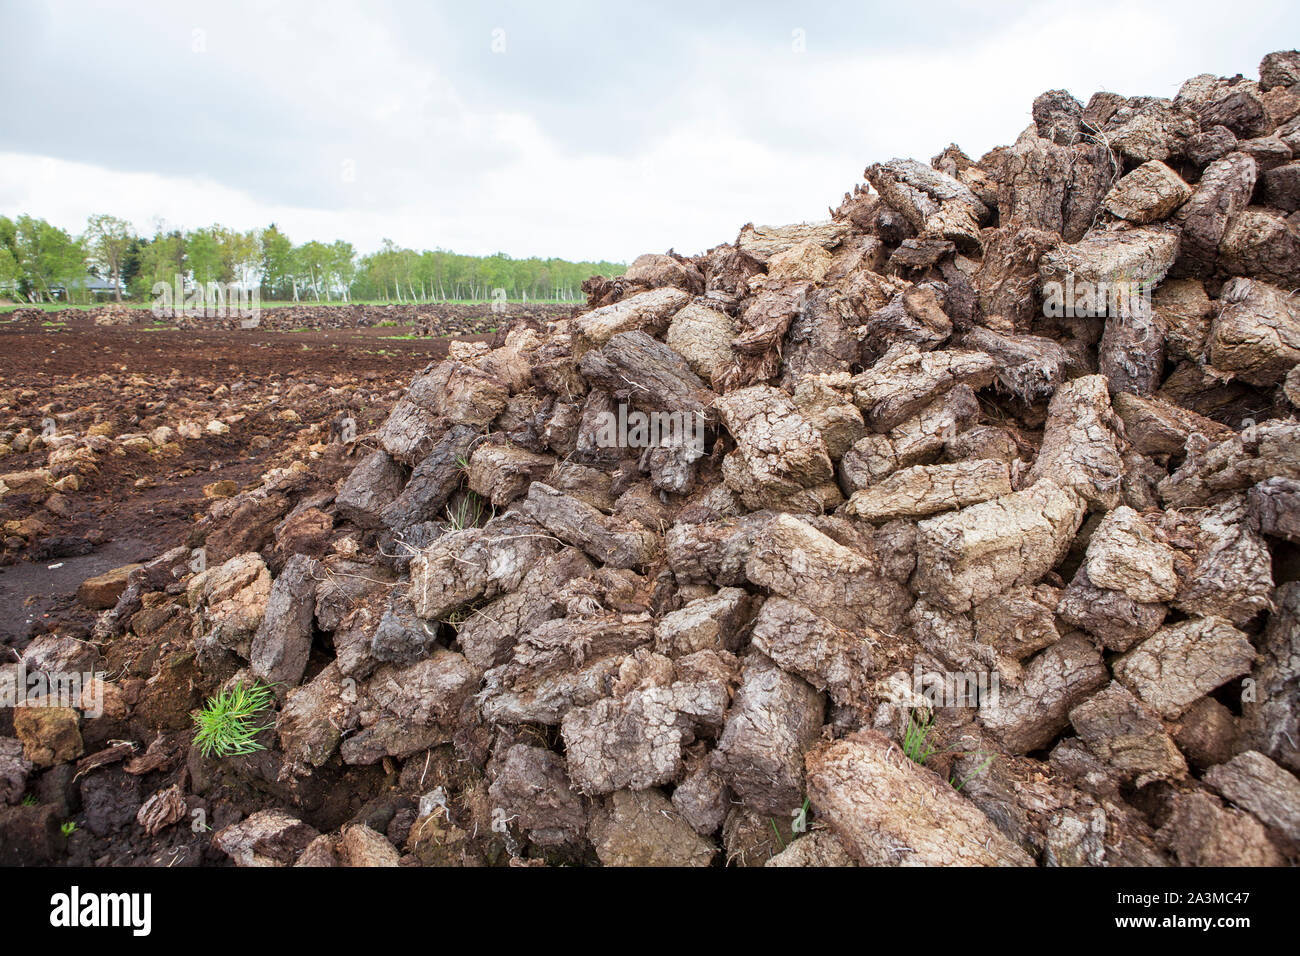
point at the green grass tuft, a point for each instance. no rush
(227, 725)
(915, 741)
(467, 513)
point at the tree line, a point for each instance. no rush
(40, 262)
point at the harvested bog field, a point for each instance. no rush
(424, 319)
(960, 528)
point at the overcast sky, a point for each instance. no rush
(580, 130)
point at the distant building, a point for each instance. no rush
(91, 284)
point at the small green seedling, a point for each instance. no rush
(29, 800)
(798, 822)
(467, 513)
(227, 725)
(777, 832)
(919, 748)
(915, 743)
(68, 828)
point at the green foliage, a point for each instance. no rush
(277, 263)
(10, 273)
(107, 241)
(227, 724)
(438, 275)
(40, 262)
(203, 255)
(915, 740)
(159, 259)
(29, 800)
(67, 828)
(48, 261)
(776, 832)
